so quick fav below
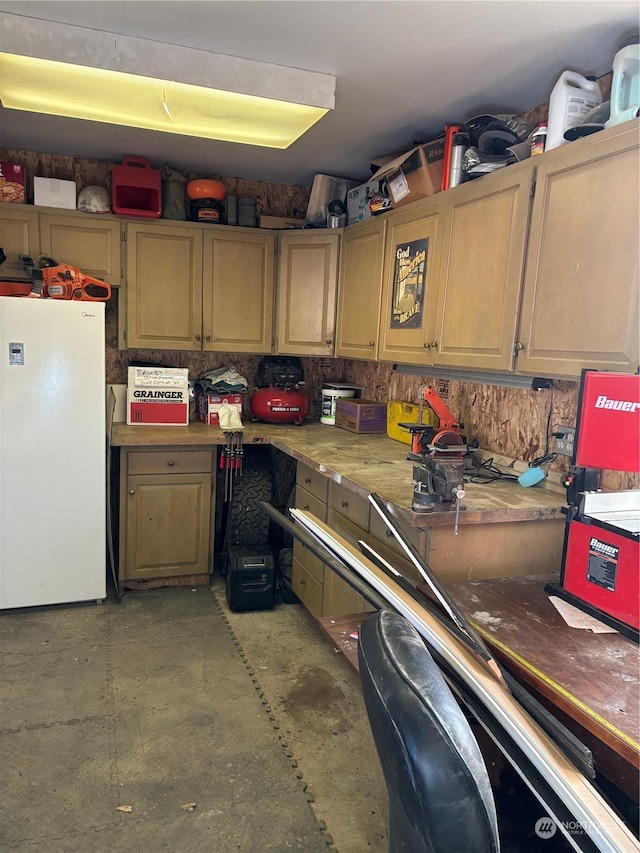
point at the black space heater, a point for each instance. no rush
(251, 578)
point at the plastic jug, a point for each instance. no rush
(572, 98)
(625, 87)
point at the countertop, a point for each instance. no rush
(365, 464)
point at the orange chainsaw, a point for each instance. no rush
(51, 280)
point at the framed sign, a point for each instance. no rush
(409, 277)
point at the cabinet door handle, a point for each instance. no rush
(329, 341)
(207, 337)
(434, 344)
(197, 337)
(171, 463)
(372, 343)
(306, 506)
(132, 491)
(426, 345)
(344, 504)
(307, 480)
(517, 347)
(388, 534)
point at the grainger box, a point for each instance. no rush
(362, 416)
(158, 396)
(208, 405)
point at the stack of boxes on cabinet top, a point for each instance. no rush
(161, 396)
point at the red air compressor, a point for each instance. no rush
(601, 559)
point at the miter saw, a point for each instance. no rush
(439, 453)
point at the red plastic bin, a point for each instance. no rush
(136, 188)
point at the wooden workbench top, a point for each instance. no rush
(363, 463)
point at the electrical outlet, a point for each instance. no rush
(565, 445)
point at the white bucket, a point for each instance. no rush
(329, 397)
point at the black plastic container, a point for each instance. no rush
(251, 578)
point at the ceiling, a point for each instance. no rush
(403, 70)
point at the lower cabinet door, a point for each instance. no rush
(167, 525)
(308, 588)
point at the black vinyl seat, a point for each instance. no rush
(440, 798)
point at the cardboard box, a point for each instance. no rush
(50, 192)
(208, 405)
(158, 396)
(358, 200)
(414, 175)
(361, 416)
(12, 183)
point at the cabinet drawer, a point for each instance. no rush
(169, 461)
(307, 588)
(400, 563)
(310, 503)
(346, 528)
(379, 530)
(354, 508)
(312, 481)
(311, 563)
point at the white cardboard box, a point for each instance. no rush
(158, 396)
(50, 192)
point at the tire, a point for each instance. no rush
(247, 523)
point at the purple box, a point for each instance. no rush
(361, 416)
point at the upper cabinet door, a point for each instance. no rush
(484, 237)
(238, 291)
(411, 265)
(580, 305)
(307, 284)
(18, 236)
(91, 244)
(163, 286)
(360, 289)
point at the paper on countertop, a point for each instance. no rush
(576, 618)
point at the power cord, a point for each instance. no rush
(486, 471)
(546, 456)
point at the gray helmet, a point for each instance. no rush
(94, 200)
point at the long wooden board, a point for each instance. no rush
(602, 826)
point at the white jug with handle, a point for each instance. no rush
(625, 86)
(572, 98)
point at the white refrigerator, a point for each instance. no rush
(52, 452)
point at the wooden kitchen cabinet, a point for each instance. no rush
(166, 508)
(409, 290)
(580, 299)
(308, 571)
(18, 236)
(359, 290)
(163, 286)
(307, 279)
(194, 288)
(238, 278)
(484, 228)
(91, 243)
(348, 515)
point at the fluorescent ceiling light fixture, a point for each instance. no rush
(87, 74)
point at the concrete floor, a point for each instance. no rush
(168, 699)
